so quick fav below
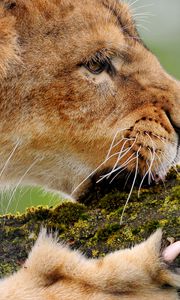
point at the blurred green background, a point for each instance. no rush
(159, 25)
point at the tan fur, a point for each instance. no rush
(62, 118)
(53, 272)
(58, 121)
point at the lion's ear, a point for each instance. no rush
(9, 49)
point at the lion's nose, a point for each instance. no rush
(175, 125)
(174, 107)
(175, 116)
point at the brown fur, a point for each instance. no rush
(63, 118)
(54, 272)
(58, 121)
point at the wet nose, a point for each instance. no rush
(172, 108)
(173, 123)
(175, 111)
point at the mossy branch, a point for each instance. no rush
(93, 224)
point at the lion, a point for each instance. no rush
(80, 94)
(54, 272)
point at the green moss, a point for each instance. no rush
(103, 233)
(7, 268)
(93, 226)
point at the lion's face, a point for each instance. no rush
(87, 95)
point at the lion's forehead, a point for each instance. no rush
(90, 12)
(88, 26)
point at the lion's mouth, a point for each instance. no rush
(177, 159)
(143, 165)
(122, 181)
(177, 130)
(143, 157)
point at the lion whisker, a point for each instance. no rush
(136, 38)
(141, 183)
(142, 6)
(19, 182)
(142, 19)
(120, 156)
(9, 158)
(115, 170)
(20, 195)
(130, 139)
(126, 151)
(128, 165)
(113, 141)
(118, 174)
(111, 146)
(150, 166)
(153, 154)
(132, 3)
(144, 14)
(151, 174)
(108, 157)
(132, 186)
(93, 172)
(164, 140)
(127, 177)
(161, 164)
(143, 27)
(127, 158)
(171, 163)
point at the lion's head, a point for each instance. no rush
(80, 92)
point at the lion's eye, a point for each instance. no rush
(99, 63)
(96, 67)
